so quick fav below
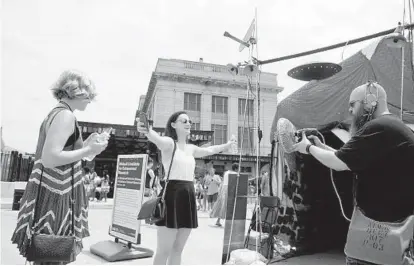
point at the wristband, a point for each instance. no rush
(308, 147)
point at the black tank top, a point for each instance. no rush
(73, 138)
(75, 135)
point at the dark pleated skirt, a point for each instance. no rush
(181, 207)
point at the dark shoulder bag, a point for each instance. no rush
(52, 248)
(153, 210)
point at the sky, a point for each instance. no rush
(117, 44)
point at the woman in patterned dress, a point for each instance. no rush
(60, 146)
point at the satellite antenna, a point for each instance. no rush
(248, 38)
(249, 34)
(249, 69)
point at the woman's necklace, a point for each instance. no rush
(67, 105)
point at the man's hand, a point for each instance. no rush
(301, 146)
(317, 141)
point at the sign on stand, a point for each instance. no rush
(128, 195)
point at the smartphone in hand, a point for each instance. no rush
(143, 119)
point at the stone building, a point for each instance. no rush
(215, 100)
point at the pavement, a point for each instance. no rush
(6, 204)
(204, 245)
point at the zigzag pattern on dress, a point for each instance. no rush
(38, 164)
(53, 209)
(65, 179)
(57, 191)
(81, 221)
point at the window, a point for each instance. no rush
(242, 105)
(219, 105)
(246, 169)
(195, 126)
(192, 101)
(247, 139)
(220, 134)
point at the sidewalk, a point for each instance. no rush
(7, 203)
(204, 246)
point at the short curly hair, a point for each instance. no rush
(73, 84)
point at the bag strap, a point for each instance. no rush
(72, 200)
(35, 205)
(155, 179)
(169, 171)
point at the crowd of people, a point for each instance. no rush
(210, 190)
(97, 188)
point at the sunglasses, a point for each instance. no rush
(185, 121)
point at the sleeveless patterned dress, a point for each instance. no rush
(53, 209)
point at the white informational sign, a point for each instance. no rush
(128, 195)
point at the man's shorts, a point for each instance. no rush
(199, 195)
(212, 198)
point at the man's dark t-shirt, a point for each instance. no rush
(382, 156)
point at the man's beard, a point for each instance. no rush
(359, 120)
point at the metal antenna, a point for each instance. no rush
(249, 69)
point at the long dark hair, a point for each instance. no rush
(169, 130)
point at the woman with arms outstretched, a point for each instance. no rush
(181, 207)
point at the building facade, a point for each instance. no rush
(215, 100)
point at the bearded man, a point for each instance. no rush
(380, 152)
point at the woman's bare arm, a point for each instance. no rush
(60, 130)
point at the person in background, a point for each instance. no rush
(60, 149)
(97, 181)
(199, 194)
(213, 183)
(157, 182)
(265, 184)
(150, 179)
(220, 207)
(104, 187)
(92, 185)
(86, 175)
(204, 191)
(87, 180)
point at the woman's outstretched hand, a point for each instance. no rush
(232, 143)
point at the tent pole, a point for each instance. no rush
(323, 49)
(402, 82)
